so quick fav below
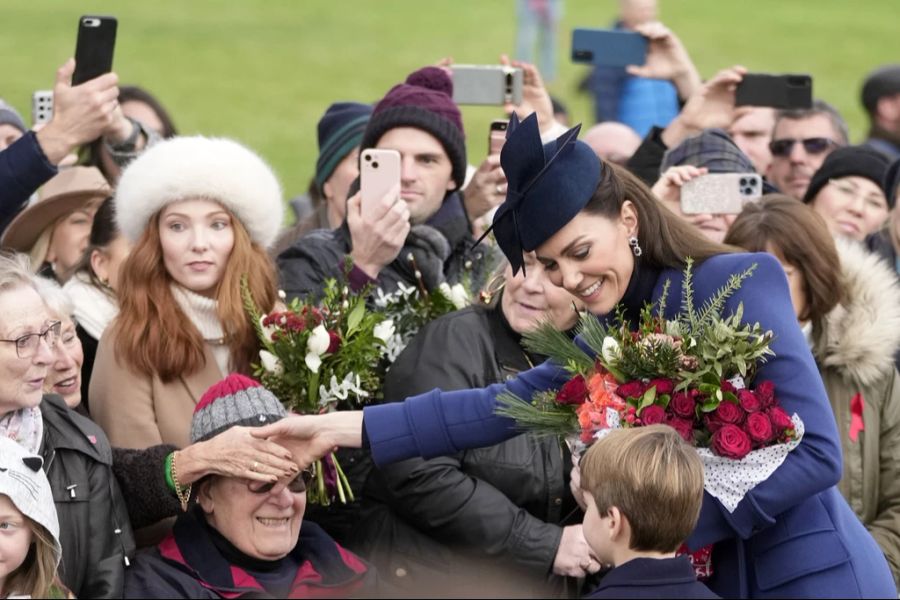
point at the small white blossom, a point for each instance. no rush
(271, 363)
(316, 345)
(610, 350)
(282, 295)
(456, 294)
(341, 390)
(268, 330)
(384, 330)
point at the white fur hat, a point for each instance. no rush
(199, 167)
(23, 481)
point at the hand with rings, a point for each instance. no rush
(486, 189)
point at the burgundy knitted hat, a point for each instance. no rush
(236, 400)
(423, 101)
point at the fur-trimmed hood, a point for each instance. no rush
(859, 337)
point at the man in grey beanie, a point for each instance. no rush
(12, 127)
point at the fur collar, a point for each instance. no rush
(859, 337)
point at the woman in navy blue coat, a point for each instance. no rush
(602, 236)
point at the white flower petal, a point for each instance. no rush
(313, 362)
(271, 363)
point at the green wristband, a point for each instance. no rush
(168, 469)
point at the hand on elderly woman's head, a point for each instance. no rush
(237, 453)
(310, 437)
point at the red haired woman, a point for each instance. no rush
(200, 213)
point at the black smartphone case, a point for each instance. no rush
(777, 91)
(95, 46)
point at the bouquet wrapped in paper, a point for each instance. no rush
(694, 372)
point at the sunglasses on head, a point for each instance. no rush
(816, 145)
(297, 485)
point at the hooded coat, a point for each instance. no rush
(854, 346)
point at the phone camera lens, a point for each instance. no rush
(746, 190)
(744, 181)
(367, 157)
(375, 165)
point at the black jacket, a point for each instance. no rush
(652, 578)
(443, 251)
(486, 518)
(94, 530)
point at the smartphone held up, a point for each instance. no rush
(379, 173)
(720, 193)
(497, 136)
(94, 48)
(487, 84)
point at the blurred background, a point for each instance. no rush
(264, 71)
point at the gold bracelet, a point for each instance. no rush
(183, 496)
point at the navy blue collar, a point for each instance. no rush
(645, 572)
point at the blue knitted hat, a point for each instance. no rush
(340, 131)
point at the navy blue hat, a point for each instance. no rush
(340, 131)
(547, 186)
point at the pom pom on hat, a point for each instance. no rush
(236, 400)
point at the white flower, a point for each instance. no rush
(316, 345)
(384, 330)
(282, 294)
(456, 294)
(268, 330)
(271, 363)
(610, 350)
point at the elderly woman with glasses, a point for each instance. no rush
(846, 191)
(95, 532)
(241, 537)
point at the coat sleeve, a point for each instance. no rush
(815, 464)
(438, 423)
(122, 400)
(437, 495)
(141, 477)
(304, 267)
(885, 528)
(23, 169)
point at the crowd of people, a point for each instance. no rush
(139, 459)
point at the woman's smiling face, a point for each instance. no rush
(590, 257)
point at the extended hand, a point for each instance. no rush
(535, 97)
(711, 106)
(310, 437)
(236, 453)
(668, 59)
(377, 233)
(573, 557)
(487, 188)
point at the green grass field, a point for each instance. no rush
(264, 71)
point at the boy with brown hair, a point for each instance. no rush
(643, 488)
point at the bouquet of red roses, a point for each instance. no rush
(692, 373)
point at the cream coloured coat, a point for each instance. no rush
(138, 411)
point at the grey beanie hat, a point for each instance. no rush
(9, 116)
(23, 481)
(236, 400)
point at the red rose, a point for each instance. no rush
(573, 392)
(729, 412)
(335, 343)
(759, 427)
(731, 442)
(632, 389)
(684, 427)
(663, 386)
(683, 405)
(712, 423)
(749, 401)
(653, 415)
(726, 386)
(765, 390)
(780, 419)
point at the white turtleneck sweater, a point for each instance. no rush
(202, 313)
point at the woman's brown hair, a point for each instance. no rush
(36, 576)
(154, 336)
(796, 234)
(665, 239)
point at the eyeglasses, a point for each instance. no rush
(849, 191)
(297, 486)
(27, 345)
(816, 145)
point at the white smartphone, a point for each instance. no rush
(379, 171)
(41, 106)
(487, 84)
(720, 193)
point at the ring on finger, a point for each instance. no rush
(255, 466)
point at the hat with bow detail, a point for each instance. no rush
(548, 184)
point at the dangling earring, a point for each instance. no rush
(493, 287)
(635, 246)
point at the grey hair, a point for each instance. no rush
(819, 107)
(15, 272)
(57, 300)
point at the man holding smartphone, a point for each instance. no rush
(427, 234)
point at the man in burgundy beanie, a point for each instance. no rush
(428, 234)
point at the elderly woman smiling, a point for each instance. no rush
(243, 537)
